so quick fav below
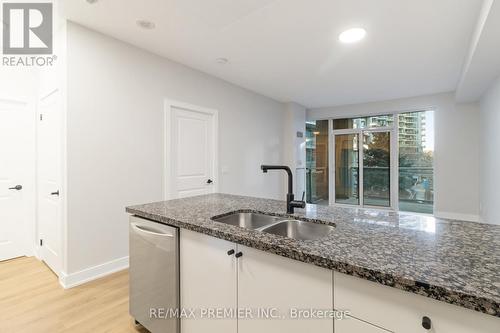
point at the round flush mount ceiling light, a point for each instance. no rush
(352, 35)
(222, 61)
(92, 1)
(145, 24)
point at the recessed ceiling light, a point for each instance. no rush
(222, 61)
(92, 1)
(145, 24)
(352, 35)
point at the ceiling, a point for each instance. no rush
(289, 49)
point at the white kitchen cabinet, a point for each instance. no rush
(270, 281)
(353, 325)
(208, 281)
(402, 312)
(249, 280)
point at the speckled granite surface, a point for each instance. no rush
(452, 261)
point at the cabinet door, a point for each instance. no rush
(402, 312)
(353, 325)
(208, 281)
(276, 284)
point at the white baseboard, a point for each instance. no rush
(458, 216)
(93, 273)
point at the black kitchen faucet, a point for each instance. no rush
(291, 204)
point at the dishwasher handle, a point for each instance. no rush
(150, 231)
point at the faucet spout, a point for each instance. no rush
(290, 202)
(265, 168)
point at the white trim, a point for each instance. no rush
(457, 216)
(92, 273)
(331, 164)
(395, 164)
(361, 168)
(169, 103)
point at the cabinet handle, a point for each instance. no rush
(239, 254)
(149, 231)
(230, 252)
(426, 323)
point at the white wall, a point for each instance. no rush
(115, 138)
(490, 155)
(18, 81)
(295, 147)
(456, 162)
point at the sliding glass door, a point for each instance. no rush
(382, 161)
(362, 160)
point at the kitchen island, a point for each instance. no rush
(452, 262)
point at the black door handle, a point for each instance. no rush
(210, 181)
(230, 252)
(426, 323)
(239, 254)
(17, 188)
(55, 193)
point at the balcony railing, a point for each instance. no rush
(416, 185)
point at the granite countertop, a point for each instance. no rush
(451, 261)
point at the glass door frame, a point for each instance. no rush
(394, 164)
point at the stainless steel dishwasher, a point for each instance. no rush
(154, 275)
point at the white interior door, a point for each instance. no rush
(191, 159)
(16, 179)
(49, 180)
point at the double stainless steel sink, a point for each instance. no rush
(276, 225)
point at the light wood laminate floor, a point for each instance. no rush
(32, 301)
